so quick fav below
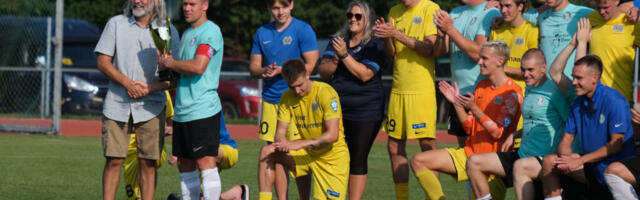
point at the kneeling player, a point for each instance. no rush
(318, 117)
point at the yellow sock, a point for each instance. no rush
(265, 195)
(402, 191)
(430, 185)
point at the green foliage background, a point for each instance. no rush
(239, 19)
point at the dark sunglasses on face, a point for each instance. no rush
(357, 15)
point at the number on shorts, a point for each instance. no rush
(264, 128)
(391, 126)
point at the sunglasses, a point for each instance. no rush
(357, 15)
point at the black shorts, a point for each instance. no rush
(633, 165)
(591, 190)
(197, 138)
(455, 126)
(507, 159)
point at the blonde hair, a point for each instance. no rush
(500, 48)
(368, 15)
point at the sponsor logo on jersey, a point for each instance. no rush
(417, 126)
(506, 122)
(473, 20)
(192, 42)
(602, 118)
(333, 193)
(315, 106)
(287, 40)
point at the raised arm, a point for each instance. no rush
(467, 46)
(579, 43)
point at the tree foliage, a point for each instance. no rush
(238, 19)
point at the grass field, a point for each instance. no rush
(50, 167)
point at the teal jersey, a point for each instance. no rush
(531, 15)
(556, 31)
(544, 112)
(470, 22)
(197, 95)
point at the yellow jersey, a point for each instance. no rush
(613, 41)
(310, 112)
(519, 39)
(412, 72)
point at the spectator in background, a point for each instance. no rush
(274, 43)
(135, 100)
(409, 36)
(351, 63)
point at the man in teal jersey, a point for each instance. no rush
(557, 26)
(196, 127)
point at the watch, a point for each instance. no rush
(343, 56)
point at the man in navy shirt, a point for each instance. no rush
(601, 121)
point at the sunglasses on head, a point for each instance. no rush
(357, 15)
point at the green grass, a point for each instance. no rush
(50, 167)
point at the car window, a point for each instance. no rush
(79, 56)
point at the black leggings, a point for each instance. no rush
(359, 136)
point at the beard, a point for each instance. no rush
(141, 13)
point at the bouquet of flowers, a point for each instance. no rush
(162, 39)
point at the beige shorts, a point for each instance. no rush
(149, 137)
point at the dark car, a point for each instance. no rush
(238, 91)
(24, 46)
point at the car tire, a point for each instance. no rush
(229, 110)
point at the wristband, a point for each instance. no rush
(343, 56)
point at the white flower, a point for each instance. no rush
(164, 33)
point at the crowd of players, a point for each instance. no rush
(540, 99)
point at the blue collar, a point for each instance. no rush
(597, 96)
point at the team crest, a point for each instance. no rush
(506, 122)
(473, 20)
(192, 42)
(417, 20)
(334, 105)
(602, 118)
(497, 100)
(287, 40)
(618, 28)
(566, 16)
(519, 41)
(540, 101)
(315, 106)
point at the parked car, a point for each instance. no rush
(24, 46)
(238, 91)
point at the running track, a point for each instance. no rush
(93, 128)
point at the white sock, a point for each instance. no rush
(486, 197)
(211, 186)
(190, 185)
(554, 198)
(620, 188)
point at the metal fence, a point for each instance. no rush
(28, 84)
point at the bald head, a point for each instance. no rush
(534, 54)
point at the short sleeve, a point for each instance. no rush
(255, 48)
(307, 38)
(107, 43)
(284, 112)
(485, 27)
(329, 52)
(213, 39)
(431, 25)
(330, 103)
(175, 41)
(374, 55)
(619, 116)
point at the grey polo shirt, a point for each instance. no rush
(134, 55)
